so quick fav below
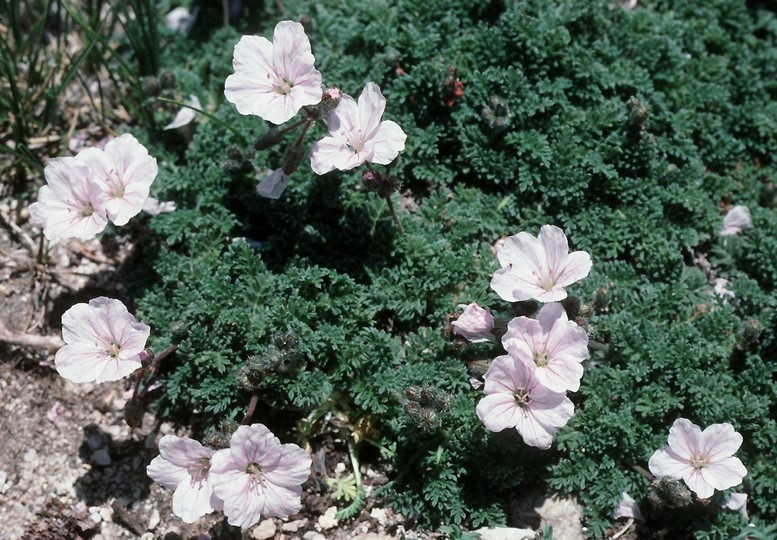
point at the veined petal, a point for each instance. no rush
(685, 438)
(719, 441)
(343, 123)
(192, 499)
(165, 473)
(371, 107)
(533, 432)
(498, 411)
(499, 376)
(514, 286)
(554, 243)
(725, 473)
(273, 186)
(332, 153)
(696, 482)
(666, 462)
(578, 266)
(386, 143)
(291, 54)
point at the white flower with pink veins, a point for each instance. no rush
(515, 398)
(258, 476)
(704, 460)
(274, 80)
(124, 170)
(552, 344)
(538, 267)
(70, 205)
(357, 134)
(183, 465)
(103, 342)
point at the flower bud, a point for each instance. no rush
(750, 332)
(150, 86)
(601, 298)
(669, 493)
(167, 79)
(179, 331)
(269, 139)
(330, 100)
(133, 413)
(292, 158)
(146, 356)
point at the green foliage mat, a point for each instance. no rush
(628, 129)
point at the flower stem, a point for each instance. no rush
(394, 215)
(250, 410)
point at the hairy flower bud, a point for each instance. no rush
(292, 158)
(669, 493)
(269, 139)
(133, 413)
(750, 332)
(167, 79)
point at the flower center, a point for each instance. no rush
(283, 86)
(87, 210)
(113, 350)
(541, 359)
(199, 469)
(699, 462)
(117, 187)
(522, 398)
(547, 284)
(254, 469)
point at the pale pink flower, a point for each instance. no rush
(272, 187)
(702, 459)
(155, 206)
(627, 508)
(552, 344)
(183, 465)
(274, 80)
(185, 115)
(720, 286)
(258, 476)
(124, 171)
(103, 342)
(474, 324)
(70, 205)
(538, 267)
(358, 135)
(737, 219)
(737, 502)
(516, 398)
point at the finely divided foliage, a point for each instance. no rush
(632, 131)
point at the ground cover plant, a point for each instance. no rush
(308, 297)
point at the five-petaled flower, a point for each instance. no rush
(737, 219)
(474, 324)
(538, 267)
(183, 466)
(516, 398)
(124, 171)
(103, 342)
(358, 135)
(258, 476)
(552, 344)
(704, 460)
(274, 80)
(70, 205)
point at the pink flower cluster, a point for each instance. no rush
(83, 192)
(274, 80)
(256, 476)
(526, 388)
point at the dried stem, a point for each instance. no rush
(49, 343)
(251, 409)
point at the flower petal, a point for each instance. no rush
(719, 441)
(685, 438)
(498, 411)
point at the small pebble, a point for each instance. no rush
(265, 530)
(101, 457)
(153, 521)
(294, 526)
(328, 520)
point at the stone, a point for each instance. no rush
(507, 533)
(153, 520)
(265, 530)
(328, 520)
(102, 457)
(294, 526)
(564, 515)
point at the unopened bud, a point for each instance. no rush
(571, 306)
(750, 332)
(670, 493)
(269, 139)
(330, 100)
(179, 331)
(292, 158)
(244, 379)
(150, 86)
(601, 298)
(371, 180)
(133, 413)
(146, 356)
(167, 79)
